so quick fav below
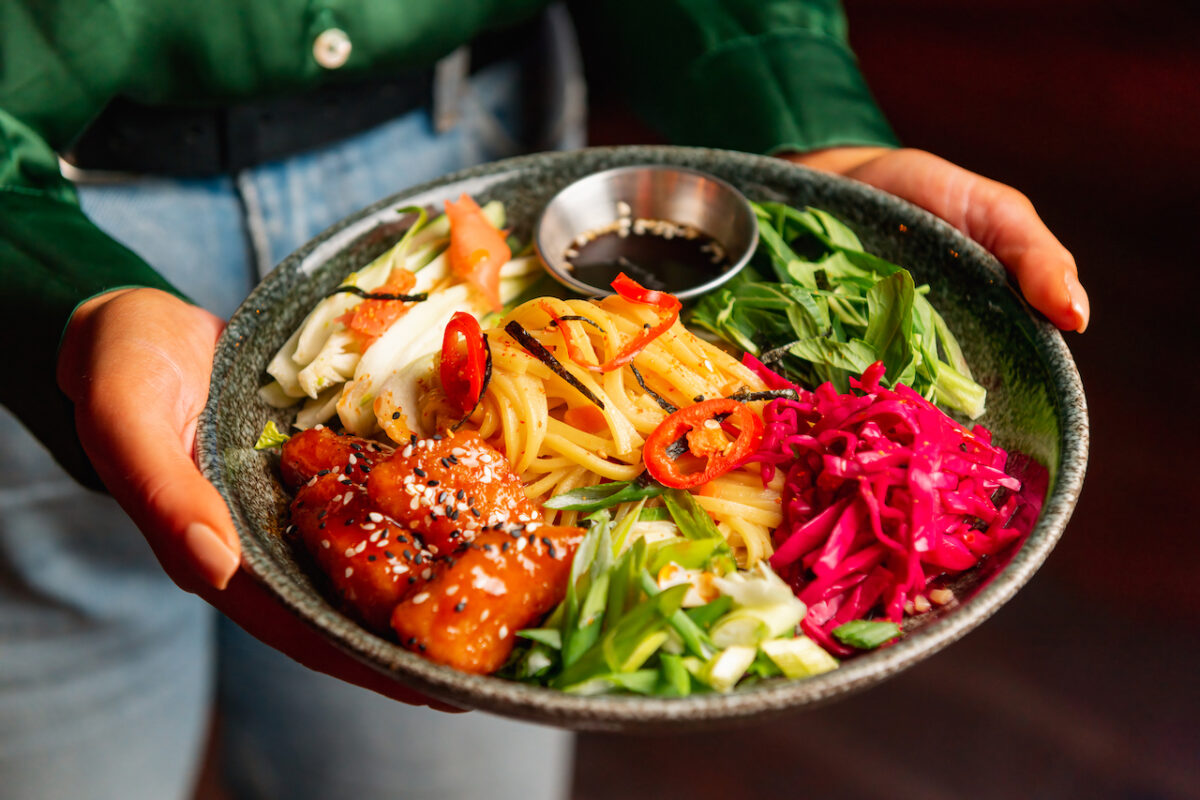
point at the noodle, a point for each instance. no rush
(525, 402)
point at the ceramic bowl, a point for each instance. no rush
(1035, 405)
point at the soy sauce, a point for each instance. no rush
(646, 253)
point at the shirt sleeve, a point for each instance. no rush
(52, 258)
(761, 76)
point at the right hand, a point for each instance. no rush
(136, 363)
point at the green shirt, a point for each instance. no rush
(755, 75)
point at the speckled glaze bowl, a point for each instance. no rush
(1035, 405)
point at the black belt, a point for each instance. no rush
(199, 142)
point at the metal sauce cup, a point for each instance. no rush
(681, 196)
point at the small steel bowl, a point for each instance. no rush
(683, 196)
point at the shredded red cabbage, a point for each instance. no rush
(884, 493)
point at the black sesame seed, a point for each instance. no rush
(471, 500)
(350, 521)
(323, 472)
(550, 550)
(487, 548)
(453, 459)
(321, 514)
(532, 538)
(365, 469)
(356, 446)
(412, 640)
(446, 463)
(412, 439)
(431, 483)
(420, 473)
(475, 511)
(698, 398)
(459, 494)
(454, 534)
(321, 526)
(504, 547)
(437, 437)
(395, 415)
(412, 579)
(461, 605)
(390, 555)
(453, 514)
(441, 498)
(402, 539)
(421, 647)
(370, 558)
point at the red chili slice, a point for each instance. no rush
(686, 431)
(667, 304)
(464, 361)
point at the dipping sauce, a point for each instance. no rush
(661, 255)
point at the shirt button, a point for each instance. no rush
(332, 48)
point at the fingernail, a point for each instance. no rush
(1079, 303)
(215, 560)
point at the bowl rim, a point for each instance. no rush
(637, 713)
(565, 277)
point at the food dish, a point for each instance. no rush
(519, 183)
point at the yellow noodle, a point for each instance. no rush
(523, 407)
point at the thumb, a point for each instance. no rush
(997, 216)
(138, 370)
(153, 477)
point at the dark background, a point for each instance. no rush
(1088, 683)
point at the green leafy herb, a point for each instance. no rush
(271, 437)
(603, 495)
(834, 310)
(866, 634)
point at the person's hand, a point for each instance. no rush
(996, 216)
(136, 363)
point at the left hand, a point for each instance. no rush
(996, 216)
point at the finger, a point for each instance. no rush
(252, 607)
(1000, 218)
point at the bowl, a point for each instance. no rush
(632, 197)
(1036, 406)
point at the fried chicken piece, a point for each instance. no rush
(467, 616)
(448, 490)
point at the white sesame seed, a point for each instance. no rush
(325, 543)
(453, 590)
(349, 552)
(421, 598)
(375, 516)
(349, 571)
(503, 631)
(941, 596)
(427, 573)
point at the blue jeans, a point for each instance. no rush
(109, 673)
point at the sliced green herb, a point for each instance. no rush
(866, 634)
(270, 437)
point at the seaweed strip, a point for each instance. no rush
(539, 351)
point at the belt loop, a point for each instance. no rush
(449, 85)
